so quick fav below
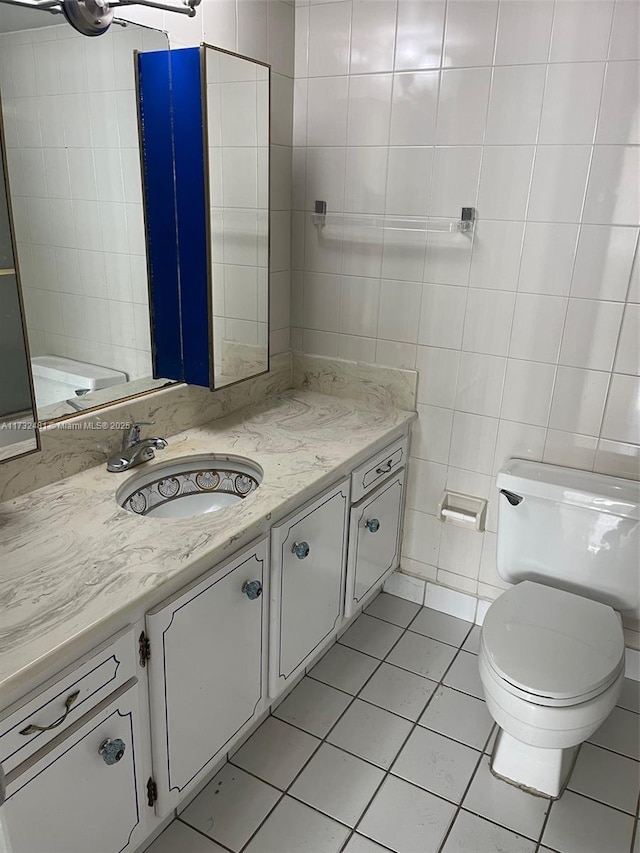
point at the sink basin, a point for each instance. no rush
(193, 485)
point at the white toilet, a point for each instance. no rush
(552, 649)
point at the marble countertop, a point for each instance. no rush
(73, 563)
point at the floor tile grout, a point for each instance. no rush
(322, 741)
(466, 791)
(203, 834)
(414, 725)
(413, 728)
(599, 802)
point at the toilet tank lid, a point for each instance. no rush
(599, 492)
(80, 374)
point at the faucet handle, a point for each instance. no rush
(131, 434)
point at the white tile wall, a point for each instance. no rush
(526, 336)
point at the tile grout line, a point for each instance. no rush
(352, 830)
(200, 832)
(459, 807)
(413, 729)
(323, 740)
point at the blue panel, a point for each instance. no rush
(159, 193)
(191, 214)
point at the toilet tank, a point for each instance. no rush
(573, 530)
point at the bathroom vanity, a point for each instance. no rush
(139, 651)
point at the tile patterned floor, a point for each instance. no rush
(384, 746)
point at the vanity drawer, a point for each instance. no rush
(110, 666)
(374, 470)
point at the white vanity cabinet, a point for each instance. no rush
(207, 670)
(86, 789)
(308, 555)
(374, 540)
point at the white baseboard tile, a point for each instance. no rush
(466, 607)
(632, 664)
(481, 610)
(459, 604)
(405, 586)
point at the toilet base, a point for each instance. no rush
(541, 771)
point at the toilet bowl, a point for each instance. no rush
(553, 686)
(552, 656)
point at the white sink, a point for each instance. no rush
(192, 485)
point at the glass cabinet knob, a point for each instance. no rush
(372, 525)
(111, 750)
(252, 589)
(300, 549)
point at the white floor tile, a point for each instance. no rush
(608, 777)
(620, 732)
(220, 810)
(407, 819)
(422, 655)
(344, 668)
(276, 752)
(371, 636)
(436, 764)
(398, 690)
(505, 804)
(636, 843)
(441, 626)
(360, 844)
(338, 784)
(464, 675)
(293, 827)
(391, 608)
(313, 706)
(459, 716)
(472, 643)
(179, 836)
(578, 825)
(370, 733)
(630, 695)
(472, 833)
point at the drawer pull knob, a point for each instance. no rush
(252, 589)
(372, 525)
(68, 702)
(300, 549)
(388, 465)
(111, 750)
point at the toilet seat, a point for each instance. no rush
(552, 647)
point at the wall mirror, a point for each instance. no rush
(17, 413)
(218, 112)
(236, 94)
(73, 177)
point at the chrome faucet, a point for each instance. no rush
(135, 450)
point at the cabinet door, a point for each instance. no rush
(206, 670)
(71, 800)
(374, 540)
(307, 585)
